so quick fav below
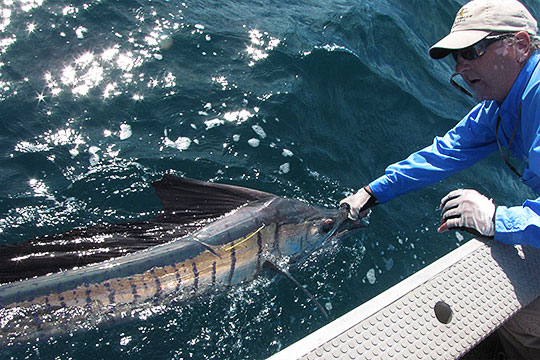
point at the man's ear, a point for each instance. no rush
(522, 42)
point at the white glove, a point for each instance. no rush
(359, 203)
(468, 210)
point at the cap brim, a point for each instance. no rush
(456, 40)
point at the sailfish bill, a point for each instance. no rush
(209, 235)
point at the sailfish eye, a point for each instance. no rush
(327, 225)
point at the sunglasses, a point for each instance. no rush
(475, 51)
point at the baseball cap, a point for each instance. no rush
(479, 18)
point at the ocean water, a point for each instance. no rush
(309, 100)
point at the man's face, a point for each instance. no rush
(491, 76)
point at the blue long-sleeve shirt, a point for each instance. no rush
(474, 138)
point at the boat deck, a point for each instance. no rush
(440, 312)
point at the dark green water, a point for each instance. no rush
(303, 99)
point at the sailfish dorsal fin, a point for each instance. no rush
(197, 200)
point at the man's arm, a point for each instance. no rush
(471, 140)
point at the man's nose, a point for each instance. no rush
(462, 64)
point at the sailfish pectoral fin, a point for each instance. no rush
(270, 265)
(207, 247)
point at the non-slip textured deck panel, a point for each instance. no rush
(483, 283)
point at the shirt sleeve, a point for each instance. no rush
(471, 140)
(519, 224)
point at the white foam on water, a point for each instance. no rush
(238, 116)
(254, 142)
(371, 276)
(287, 153)
(94, 157)
(125, 131)
(259, 131)
(213, 123)
(80, 32)
(181, 143)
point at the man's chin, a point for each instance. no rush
(480, 95)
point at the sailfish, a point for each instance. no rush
(208, 236)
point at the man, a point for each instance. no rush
(494, 44)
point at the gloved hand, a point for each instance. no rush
(468, 210)
(360, 203)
